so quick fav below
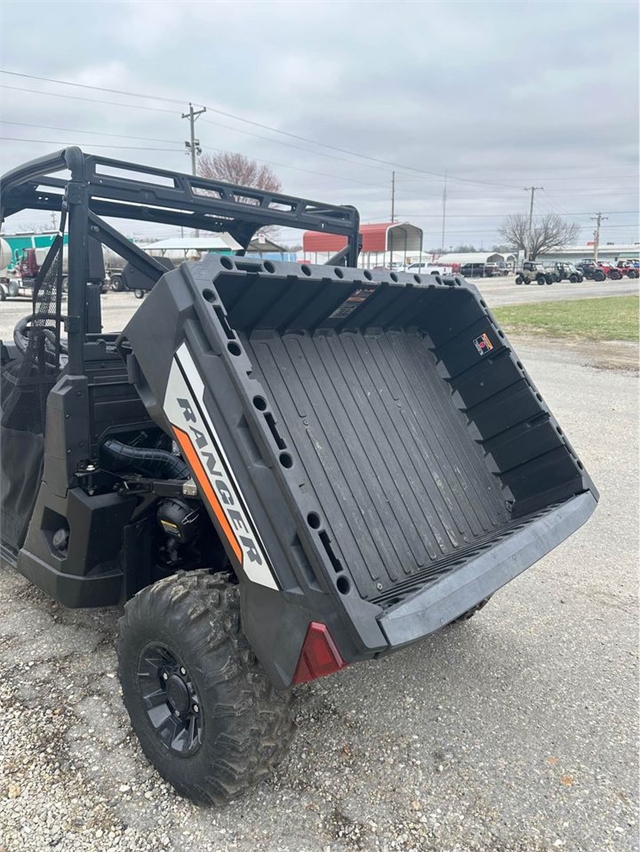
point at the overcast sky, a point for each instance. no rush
(501, 96)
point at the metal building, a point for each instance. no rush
(382, 244)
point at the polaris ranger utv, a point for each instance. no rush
(278, 469)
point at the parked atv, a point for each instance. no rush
(611, 271)
(532, 271)
(280, 469)
(628, 268)
(591, 270)
(568, 272)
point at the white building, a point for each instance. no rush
(606, 251)
(457, 257)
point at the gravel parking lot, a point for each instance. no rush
(504, 291)
(117, 307)
(516, 732)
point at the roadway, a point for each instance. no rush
(118, 307)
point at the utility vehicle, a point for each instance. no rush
(533, 270)
(591, 270)
(278, 469)
(628, 268)
(567, 271)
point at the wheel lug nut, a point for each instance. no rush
(165, 676)
(196, 709)
(183, 671)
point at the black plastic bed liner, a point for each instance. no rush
(380, 427)
(399, 480)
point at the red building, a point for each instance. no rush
(382, 244)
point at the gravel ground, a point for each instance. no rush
(516, 732)
(504, 291)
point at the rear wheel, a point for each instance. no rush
(471, 612)
(614, 275)
(117, 283)
(541, 279)
(204, 711)
(519, 280)
(573, 279)
(599, 275)
(632, 273)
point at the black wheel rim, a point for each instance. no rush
(170, 699)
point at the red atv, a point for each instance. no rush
(628, 268)
(601, 270)
(610, 270)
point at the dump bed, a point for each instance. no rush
(392, 461)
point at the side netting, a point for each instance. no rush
(24, 388)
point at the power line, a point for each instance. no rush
(485, 232)
(170, 141)
(501, 215)
(409, 216)
(91, 132)
(208, 147)
(93, 88)
(205, 121)
(429, 175)
(257, 124)
(57, 142)
(87, 100)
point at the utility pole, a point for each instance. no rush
(194, 144)
(393, 197)
(532, 190)
(596, 234)
(444, 210)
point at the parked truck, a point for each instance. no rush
(19, 270)
(278, 469)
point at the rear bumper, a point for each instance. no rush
(432, 608)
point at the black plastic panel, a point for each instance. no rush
(400, 483)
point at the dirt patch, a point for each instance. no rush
(603, 355)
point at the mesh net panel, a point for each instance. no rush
(27, 384)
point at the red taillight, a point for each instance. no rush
(319, 655)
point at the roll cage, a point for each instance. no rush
(99, 187)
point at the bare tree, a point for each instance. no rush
(548, 232)
(236, 168)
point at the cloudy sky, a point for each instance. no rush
(337, 95)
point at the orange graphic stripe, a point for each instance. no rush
(203, 481)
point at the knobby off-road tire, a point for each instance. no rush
(205, 713)
(471, 612)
